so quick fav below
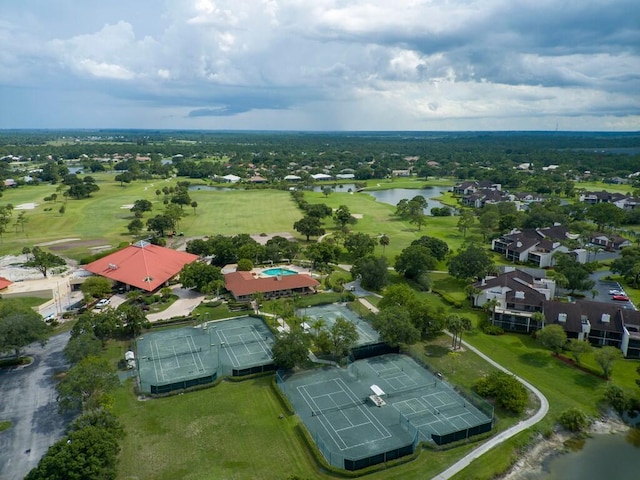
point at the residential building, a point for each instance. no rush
(537, 246)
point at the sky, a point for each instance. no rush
(422, 65)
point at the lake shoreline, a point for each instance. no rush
(534, 460)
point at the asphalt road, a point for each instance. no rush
(28, 401)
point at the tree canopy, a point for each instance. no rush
(472, 262)
(20, 326)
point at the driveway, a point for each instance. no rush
(187, 300)
(28, 401)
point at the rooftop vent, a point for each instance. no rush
(148, 279)
(113, 266)
(562, 317)
(606, 318)
(520, 295)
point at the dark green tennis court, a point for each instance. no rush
(379, 409)
(175, 359)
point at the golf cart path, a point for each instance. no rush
(502, 436)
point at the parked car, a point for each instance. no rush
(103, 303)
(622, 298)
(616, 292)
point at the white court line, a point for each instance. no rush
(191, 342)
(321, 418)
(155, 369)
(175, 354)
(159, 362)
(223, 339)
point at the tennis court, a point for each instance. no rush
(174, 359)
(180, 358)
(242, 343)
(330, 313)
(379, 409)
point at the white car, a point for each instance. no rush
(103, 303)
(616, 292)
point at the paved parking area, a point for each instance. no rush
(28, 401)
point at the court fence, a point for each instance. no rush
(182, 384)
(370, 350)
(345, 462)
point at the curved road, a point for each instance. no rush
(502, 436)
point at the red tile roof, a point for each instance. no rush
(4, 283)
(141, 265)
(244, 283)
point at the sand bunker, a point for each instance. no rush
(26, 206)
(128, 206)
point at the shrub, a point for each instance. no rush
(615, 397)
(574, 420)
(505, 389)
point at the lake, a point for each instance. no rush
(609, 457)
(394, 195)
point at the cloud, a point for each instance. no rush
(327, 64)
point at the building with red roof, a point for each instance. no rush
(243, 285)
(4, 283)
(142, 265)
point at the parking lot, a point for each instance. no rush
(29, 402)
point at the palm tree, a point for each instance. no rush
(384, 241)
(318, 325)
(490, 307)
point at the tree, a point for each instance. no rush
(628, 265)
(245, 265)
(62, 209)
(21, 220)
(384, 242)
(507, 391)
(574, 420)
(373, 272)
(439, 248)
(123, 178)
(43, 261)
(395, 326)
(319, 210)
(133, 319)
(89, 450)
(194, 205)
(322, 254)
(359, 244)
(200, 276)
(578, 348)
(161, 224)
(182, 198)
(20, 326)
(472, 262)
(342, 217)
(309, 226)
(96, 287)
(291, 349)
(343, 336)
(87, 384)
(577, 274)
(466, 220)
(142, 206)
(552, 337)
(135, 226)
(414, 261)
(605, 214)
(606, 357)
(81, 346)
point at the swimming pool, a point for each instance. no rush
(274, 272)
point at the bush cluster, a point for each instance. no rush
(505, 389)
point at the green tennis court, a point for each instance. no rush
(379, 409)
(175, 359)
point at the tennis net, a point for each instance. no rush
(241, 342)
(344, 406)
(174, 353)
(422, 386)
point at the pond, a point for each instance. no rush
(212, 188)
(394, 195)
(603, 456)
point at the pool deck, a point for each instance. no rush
(258, 271)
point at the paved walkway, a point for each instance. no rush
(187, 301)
(502, 436)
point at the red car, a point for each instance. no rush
(622, 298)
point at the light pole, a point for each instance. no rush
(222, 344)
